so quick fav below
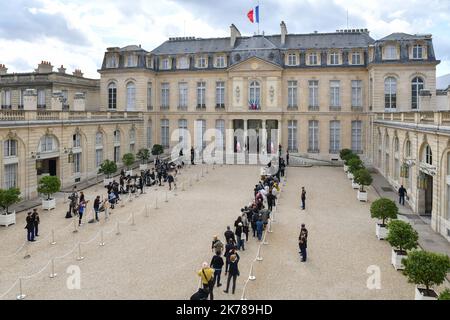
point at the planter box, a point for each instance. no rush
(128, 173)
(350, 175)
(362, 196)
(49, 204)
(7, 219)
(420, 295)
(143, 167)
(381, 232)
(355, 185)
(107, 181)
(396, 260)
(345, 168)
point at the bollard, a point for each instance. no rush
(167, 199)
(146, 211)
(207, 169)
(53, 238)
(27, 252)
(197, 178)
(190, 182)
(259, 257)
(80, 257)
(202, 173)
(265, 242)
(132, 219)
(251, 276)
(117, 228)
(102, 240)
(53, 273)
(75, 230)
(182, 187)
(20, 296)
(270, 226)
(156, 202)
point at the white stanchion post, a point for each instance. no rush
(167, 199)
(80, 257)
(75, 230)
(102, 239)
(21, 295)
(156, 202)
(265, 242)
(53, 238)
(207, 169)
(182, 186)
(133, 223)
(146, 211)
(117, 228)
(27, 251)
(190, 182)
(251, 276)
(53, 273)
(259, 257)
(270, 226)
(202, 173)
(198, 178)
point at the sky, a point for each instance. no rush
(76, 33)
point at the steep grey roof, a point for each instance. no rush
(323, 40)
(404, 36)
(132, 48)
(193, 46)
(256, 42)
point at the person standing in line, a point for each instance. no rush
(82, 196)
(30, 227)
(303, 197)
(245, 223)
(171, 180)
(287, 158)
(303, 242)
(73, 203)
(97, 207)
(240, 241)
(36, 220)
(217, 264)
(217, 245)
(401, 195)
(81, 209)
(192, 155)
(234, 272)
(259, 227)
(229, 250)
(229, 235)
(270, 200)
(254, 220)
(207, 276)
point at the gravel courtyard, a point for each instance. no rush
(157, 258)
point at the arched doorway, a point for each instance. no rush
(425, 181)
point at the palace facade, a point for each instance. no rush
(315, 93)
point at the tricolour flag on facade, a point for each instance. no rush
(253, 15)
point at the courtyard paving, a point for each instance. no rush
(158, 257)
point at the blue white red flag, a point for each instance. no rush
(253, 15)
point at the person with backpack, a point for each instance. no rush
(229, 235)
(234, 272)
(229, 250)
(303, 198)
(207, 276)
(217, 264)
(217, 245)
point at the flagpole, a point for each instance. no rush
(259, 7)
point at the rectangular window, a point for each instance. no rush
(417, 52)
(117, 154)
(357, 93)
(201, 94)
(313, 94)
(112, 97)
(313, 61)
(20, 104)
(111, 62)
(131, 61)
(334, 58)
(335, 99)
(98, 157)
(357, 136)
(76, 162)
(165, 95)
(41, 99)
(313, 136)
(10, 176)
(149, 97)
(220, 134)
(183, 63)
(183, 95)
(200, 128)
(356, 58)
(149, 136)
(292, 135)
(335, 136)
(292, 59)
(6, 99)
(183, 136)
(390, 52)
(76, 140)
(201, 62)
(220, 94)
(165, 133)
(10, 148)
(165, 64)
(220, 62)
(292, 94)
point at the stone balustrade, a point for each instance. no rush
(51, 115)
(437, 118)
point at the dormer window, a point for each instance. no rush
(150, 62)
(390, 52)
(201, 62)
(165, 64)
(334, 58)
(417, 51)
(356, 58)
(292, 59)
(183, 63)
(220, 62)
(131, 61)
(313, 60)
(111, 61)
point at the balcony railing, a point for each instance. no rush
(51, 115)
(164, 108)
(182, 108)
(201, 106)
(313, 108)
(149, 108)
(335, 108)
(6, 107)
(438, 118)
(313, 150)
(292, 107)
(357, 108)
(220, 106)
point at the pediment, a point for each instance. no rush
(253, 64)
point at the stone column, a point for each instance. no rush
(245, 134)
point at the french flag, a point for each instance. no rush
(253, 15)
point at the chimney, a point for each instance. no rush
(3, 69)
(283, 33)
(78, 73)
(234, 34)
(62, 70)
(44, 67)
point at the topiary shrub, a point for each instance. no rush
(108, 168)
(350, 157)
(384, 209)
(355, 164)
(363, 178)
(49, 185)
(344, 153)
(143, 155)
(128, 159)
(8, 198)
(445, 295)
(157, 150)
(402, 236)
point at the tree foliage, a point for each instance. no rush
(49, 185)
(9, 197)
(355, 164)
(383, 209)
(157, 150)
(128, 159)
(363, 178)
(344, 153)
(108, 168)
(401, 235)
(143, 155)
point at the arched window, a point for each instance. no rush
(131, 96)
(149, 134)
(396, 145)
(117, 137)
(99, 139)
(416, 86)
(10, 148)
(117, 146)
(98, 149)
(132, 139)
(254, 96)
(408, 149)
(428, 155)
(112, 96)
(390, 93)
(48, 143)
(76, 140)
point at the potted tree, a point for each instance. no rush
(7, 198)
(426, 269)
(354, 164)
(108, 168)
(402, 237)
(128, 160)
(362, 178)
(344, 154)
(444, 295)
(143, 155)
(157, 150)
(49, 185)
(383, 209)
